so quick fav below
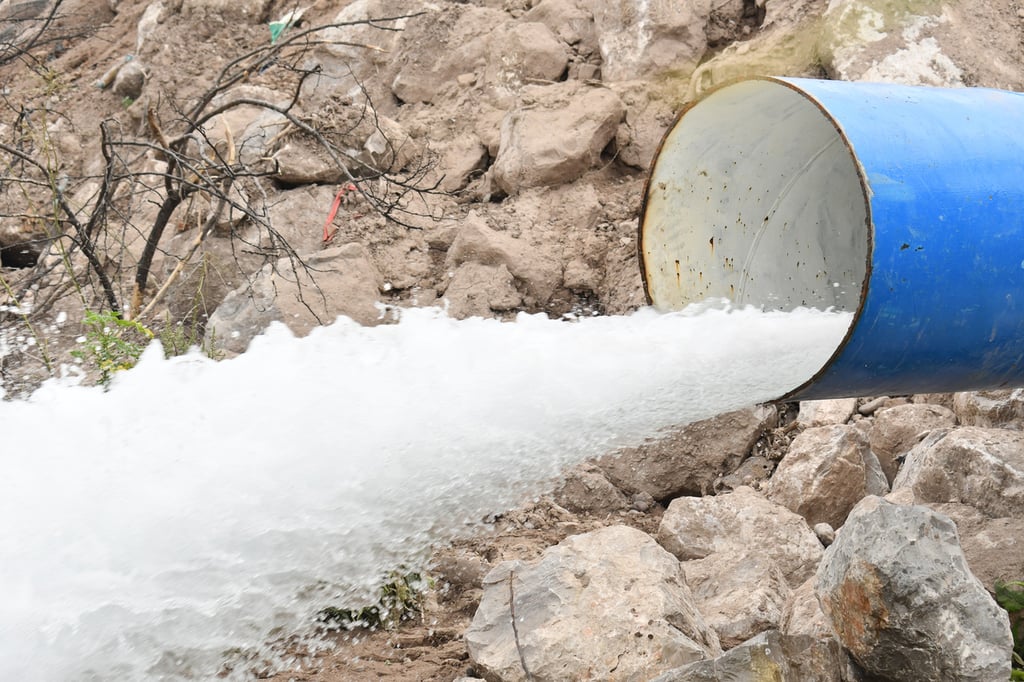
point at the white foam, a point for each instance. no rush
(196, 506)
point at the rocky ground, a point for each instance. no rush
(507, 141)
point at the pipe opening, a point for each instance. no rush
(755, 197)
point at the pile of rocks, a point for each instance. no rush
(834, 566)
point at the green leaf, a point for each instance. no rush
(1009, 598)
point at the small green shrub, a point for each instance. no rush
(401, 599)
(1011, 597)
(178, 339)
(112, 343)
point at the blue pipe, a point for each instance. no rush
(904, 205)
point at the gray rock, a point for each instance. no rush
(638, 40)
(130, 79)
(383, 146)
(22, 10)
(341, 281)
(252, 127)
(609, 600)
(768, 656)
(574, 25)
(696, 527)
(459, 42)
(827, 470)
(587, 490)
(1004, 409)
(690, 460)
(738, 595)
(539, 272)
(465, 157)
(300, 162)
(345, 68)
(148, 25)
(297, 217)
(476, 290)
(826, 412)
(642, 502)
(751, 473)
(638, 138)
(216, 254)
(825, 533)
(524, 52)
(896, 430)
(980, 467)
(896, 589)
(557, 136)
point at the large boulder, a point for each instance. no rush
(647, 118)
(334, 282)
(1003, 409)
(896, 589)
(523, 52)
(738, 595)
(696, 527)
(690, 460)
(573, 25)
(458, 44)
(462, 160)
(529, 263)
(920, 43)
(585, 489)
(478, 290)
(827, 471)
(251, 128)
(609, 601)
(980, 467)
(896, 430)
(638, 39)
(556, 135)
(297, 218)
(878, 40)
(350, 57)
(215, 269)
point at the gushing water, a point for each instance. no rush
(199, 507)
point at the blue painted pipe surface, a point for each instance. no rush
(904, 205)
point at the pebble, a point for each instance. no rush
(825, 533)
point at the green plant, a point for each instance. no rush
(1011, 597)
(178, 338)
(401, 599)
(127, 102)
(53, 81)
(112, 343)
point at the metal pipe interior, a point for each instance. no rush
(756, 197)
